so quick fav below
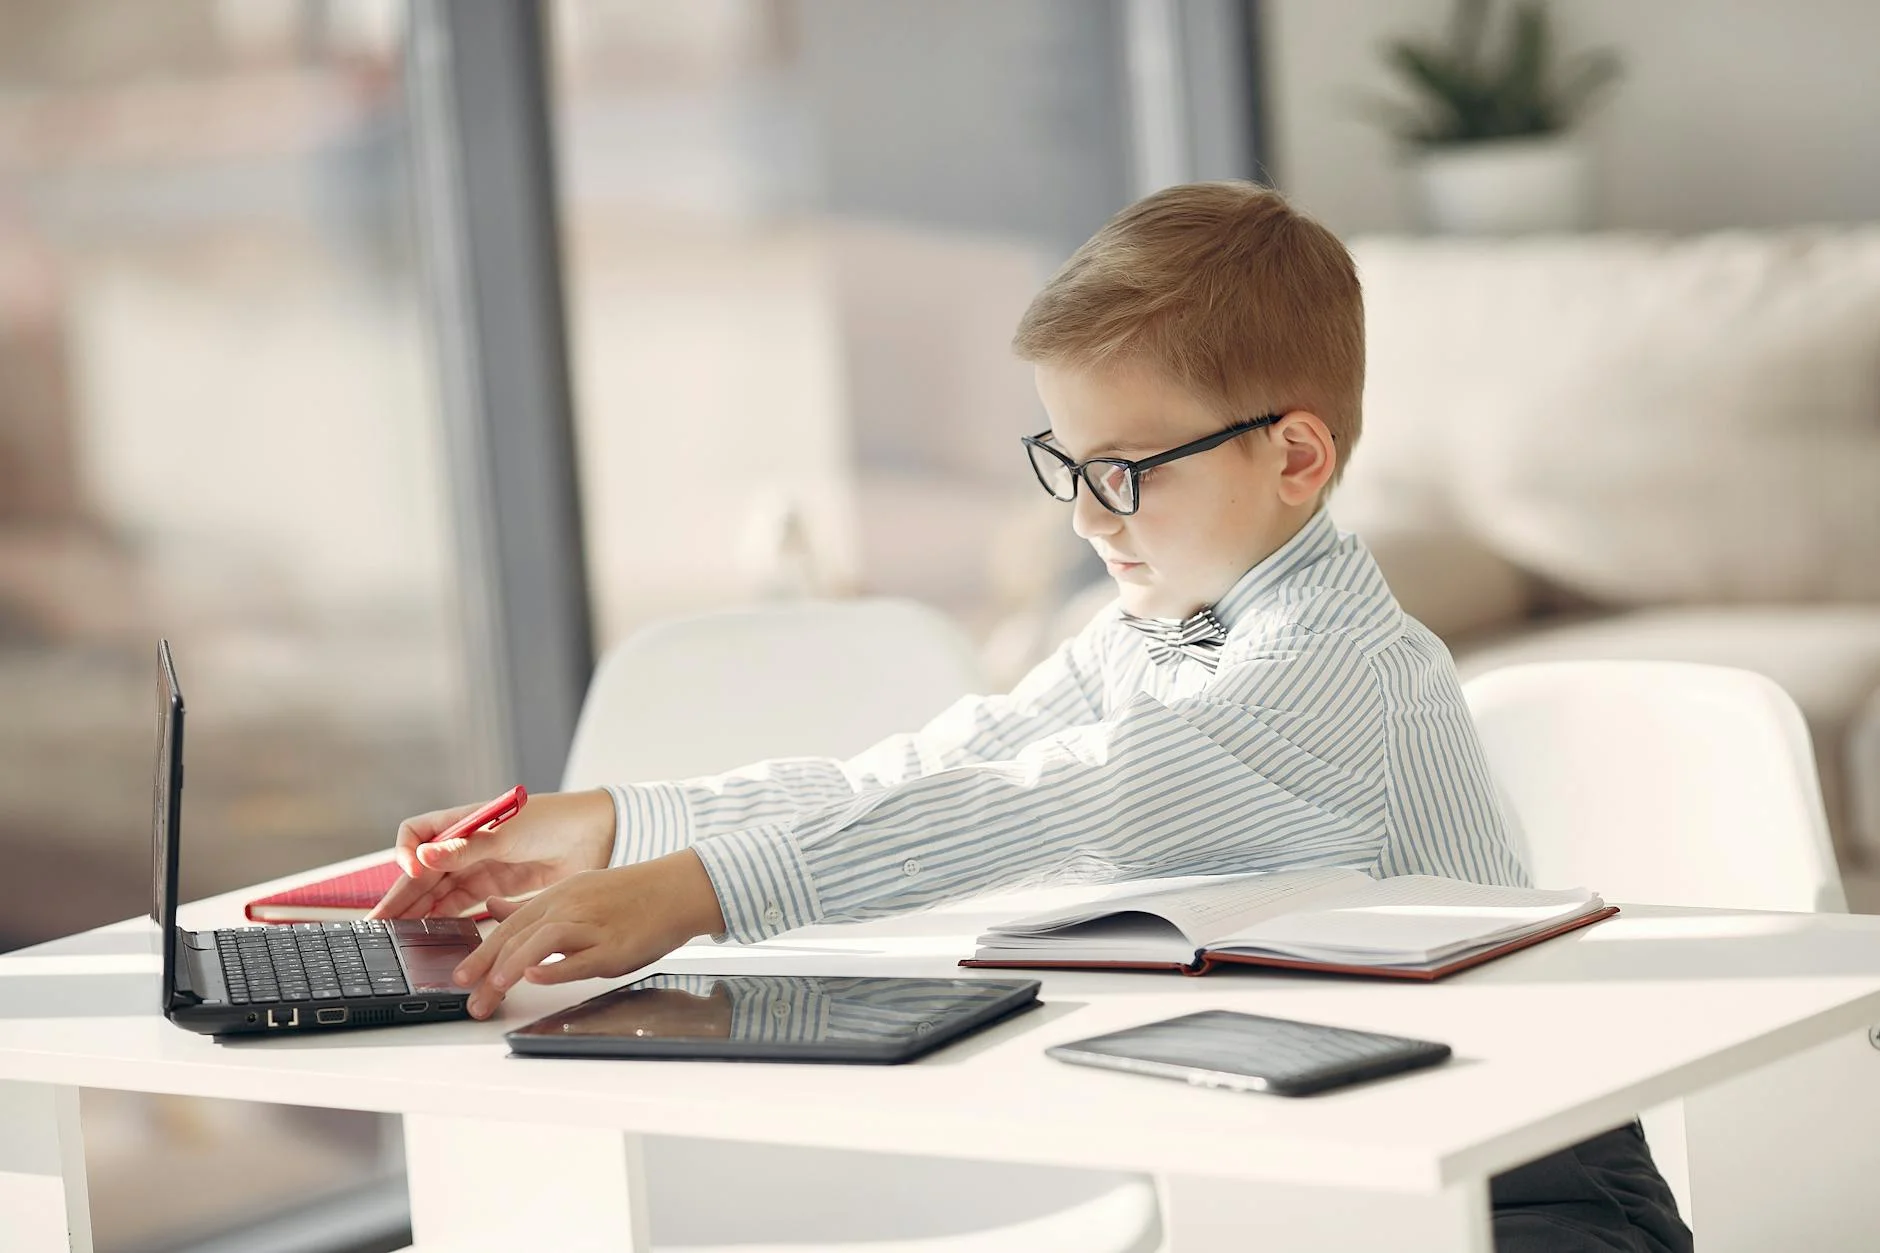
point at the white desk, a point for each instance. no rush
(1552, 1045)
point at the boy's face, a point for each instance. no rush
(1202, 521)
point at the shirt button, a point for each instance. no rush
(773, 914)
(780, 1010)
(911, 866)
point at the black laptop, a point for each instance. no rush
(308, 976)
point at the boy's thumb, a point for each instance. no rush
(445, 854)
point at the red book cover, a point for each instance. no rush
(340, 898)
(352, 895)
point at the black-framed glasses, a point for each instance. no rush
(1114, 481)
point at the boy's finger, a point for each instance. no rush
(453, 854)
(400, 897)
(413, 832)
(402, 846)
(588, 963)
(531, 948)
(405, 848)
(472, 968)
(424, 897)
(502, 907)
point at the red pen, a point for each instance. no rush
(489, 816)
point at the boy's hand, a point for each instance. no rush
(602, 922)
(554, 836)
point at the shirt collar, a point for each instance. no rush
(1317, 539)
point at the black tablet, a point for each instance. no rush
(1218, 1048)
(774, 1018)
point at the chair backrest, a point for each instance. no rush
(697, 695)
(1659, 782)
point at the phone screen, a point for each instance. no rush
(1251, 1052)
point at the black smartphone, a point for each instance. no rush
(1219, 1048)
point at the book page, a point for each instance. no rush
(1410, 919)
(1202, 908)
(1129, 937)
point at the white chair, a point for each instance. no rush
(1676, 784)
(708, 693)
(698, 695)
(1661, 782)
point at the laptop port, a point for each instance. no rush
(284, 1017)
(329, 1017)
(413, 1007)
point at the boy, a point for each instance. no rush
(1254, 700)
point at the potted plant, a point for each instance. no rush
(1489, 136)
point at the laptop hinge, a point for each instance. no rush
(187, 965)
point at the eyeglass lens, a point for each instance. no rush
(1113, 484)
(1110, 481)
(1053, 473)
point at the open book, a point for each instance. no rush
(1334, 920)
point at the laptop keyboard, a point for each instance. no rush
(309, 961)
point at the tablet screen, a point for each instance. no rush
(1217, 1048)
(772, 1015)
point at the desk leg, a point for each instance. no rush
(484, 1184)
(42, 1169)
(1212, 1215)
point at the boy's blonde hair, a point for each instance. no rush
(1222, 288)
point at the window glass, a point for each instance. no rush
(216, 425)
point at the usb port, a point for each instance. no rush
(329, 1017)
(413, 1007)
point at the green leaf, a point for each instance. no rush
(1464, 93)
(1429, 69)
(1520, 91)
(1459, 103)
(1466, 29)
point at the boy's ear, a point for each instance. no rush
(1311, 456)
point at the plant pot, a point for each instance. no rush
(1504, 186)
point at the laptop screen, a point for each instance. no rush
(166, 812)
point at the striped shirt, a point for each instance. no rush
(1332, 733)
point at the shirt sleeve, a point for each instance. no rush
(1280, 761)
(1063, 691)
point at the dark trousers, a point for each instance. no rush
(1602, 1195)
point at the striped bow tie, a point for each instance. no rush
(1168, 641)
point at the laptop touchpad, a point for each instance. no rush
(428, 966)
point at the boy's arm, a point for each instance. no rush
(1283, 761)
(1063, 691)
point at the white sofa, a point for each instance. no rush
(1630, 446)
